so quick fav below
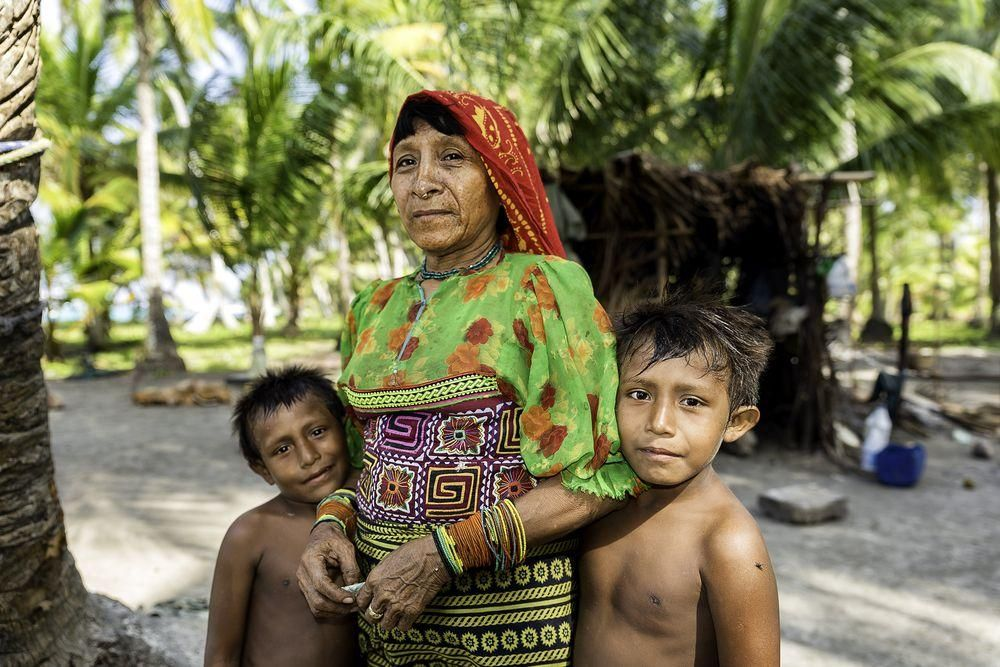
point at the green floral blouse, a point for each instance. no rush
(532, 322)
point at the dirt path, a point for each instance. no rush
(910, 578)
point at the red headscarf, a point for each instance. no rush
(493, 131)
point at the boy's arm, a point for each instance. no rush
(230, 601)
(742, 596)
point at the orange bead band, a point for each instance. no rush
(338, 508)
(495, 536)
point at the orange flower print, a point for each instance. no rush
(411, 347)
(583, 352)
(537, 323)
(475, 286)
(397, 336)
(507, 390)
(394, 379)
(535, 422)
(593, 402)
(548, 396)
(602, 447)
(465, 359)
(521, 333)
(552, 440)
(352, 323)
(383, 294)
(601, 319)
(411, 314)
(365, 341)
(546, 299)
(554, 470)
(479, 332)
(529, 273)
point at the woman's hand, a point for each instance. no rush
(328, 549)
(398, 589)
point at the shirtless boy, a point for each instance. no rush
(290, 432)
(681, 576)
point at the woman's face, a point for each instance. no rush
(443, 193)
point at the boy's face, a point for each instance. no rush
(303, 450)
(674, 416)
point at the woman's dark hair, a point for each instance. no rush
(280, 389)
(433, 113)
(734, 343)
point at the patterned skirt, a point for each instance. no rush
(482, 618)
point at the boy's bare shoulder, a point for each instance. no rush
(733, 535)
(248, 529)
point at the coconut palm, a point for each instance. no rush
(43, 605)
(87, 183)
(189, 23)
(258, 155)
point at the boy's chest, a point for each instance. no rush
(275, 576)
(648, 574)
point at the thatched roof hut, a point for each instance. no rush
(743, 231)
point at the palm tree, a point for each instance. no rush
(258, 156)
(161, 351)
(189, 24)
(43, 617)
(88, 185)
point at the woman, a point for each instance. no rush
(482, 388)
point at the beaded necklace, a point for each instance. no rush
(441, 275)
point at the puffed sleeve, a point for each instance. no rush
(348, 340)
(568, 397)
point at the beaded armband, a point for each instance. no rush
(338, 508)
(493, 536)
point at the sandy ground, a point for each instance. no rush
(911, 577)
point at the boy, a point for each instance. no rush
(681, 576)
(290, 432)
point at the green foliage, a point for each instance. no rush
(287, 136)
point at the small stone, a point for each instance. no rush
(982, 450)
(968, 483)
(56, 401)
(743, 446)
(803, 504)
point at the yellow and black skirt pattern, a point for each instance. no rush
(483, 618)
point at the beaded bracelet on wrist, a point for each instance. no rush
(493, 536)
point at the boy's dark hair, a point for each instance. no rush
(735, 343)
(279, 389)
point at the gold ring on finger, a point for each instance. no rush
(375, 615)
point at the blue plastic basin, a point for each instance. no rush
(900, 465)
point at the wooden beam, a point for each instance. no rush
(836, 177)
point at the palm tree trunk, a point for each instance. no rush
(876, 329)
(258, 361)
(992, 202)
(345, 276)
(43, 603)
(293, 290)
(161, 351)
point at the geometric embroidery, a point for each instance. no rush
(461, 435)
(402, 431)
(509, 438)
(395, 488)
(441, 464)
(513, 481)
(452, 493)
(433, 394)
